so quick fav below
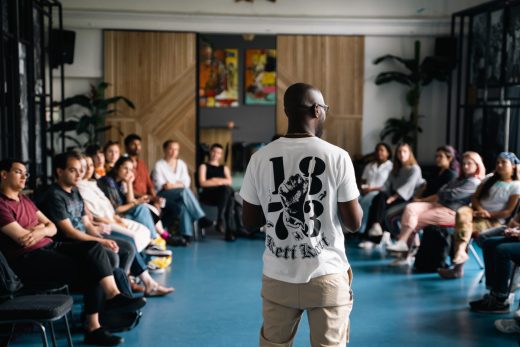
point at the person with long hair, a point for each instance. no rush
(172, 182)
(373, 178)
(493, 202)
(440, 208)
(448, 168)
(112, 152)
(399, 188)
(130, 236)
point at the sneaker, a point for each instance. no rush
(102, 337)
(205, 223)
(159, 264)
(123, 303)
(507, 326)
(366, 245)
(489, 304)
(406, 261)
(159, 242)
(399, 246)
(375, 230)
(386, 240)
(156, 251)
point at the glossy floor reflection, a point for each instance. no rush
(217, 303)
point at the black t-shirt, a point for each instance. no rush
(436, 182)
(59, 205)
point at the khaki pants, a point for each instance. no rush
(327, 299)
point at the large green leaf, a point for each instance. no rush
(399, 129)
(81, 100)
(394, 76)
(84, 124)
(104, 103)
(103, 129)
(410, 64)
(64, 126)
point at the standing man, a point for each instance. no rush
(302, 188)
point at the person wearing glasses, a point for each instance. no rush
(302, 188)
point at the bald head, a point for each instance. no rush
(299, 99)
(305, 108)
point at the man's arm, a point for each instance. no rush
(70, 232)
(252, 215)
(28, 237)
(350, 214)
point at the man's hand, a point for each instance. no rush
(512, 232)
(112, 245)
(391, 199)
(30, 239)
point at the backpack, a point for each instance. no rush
(434, 249)
(9, 282)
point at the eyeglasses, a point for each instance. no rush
(22, 173)
(324, 107)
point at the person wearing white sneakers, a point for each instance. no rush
(402, 182)
(440, 209)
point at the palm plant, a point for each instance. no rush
(419, 75)
(89, 119)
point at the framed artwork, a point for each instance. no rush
(260, 77)
(218, 78)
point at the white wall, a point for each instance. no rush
(390, 26)
(386, 101)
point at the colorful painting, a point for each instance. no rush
(218, 77)
(260, 77)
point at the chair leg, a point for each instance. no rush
(53, 334)
(42, 333)
(69, 338)
(475, 255)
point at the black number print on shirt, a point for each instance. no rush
(294, 191)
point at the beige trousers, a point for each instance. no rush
(327, 299)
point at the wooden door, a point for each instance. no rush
(335, 65)
(156, 70)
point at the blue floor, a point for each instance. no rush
(217, 303)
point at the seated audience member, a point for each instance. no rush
(96, 152)
(103, 211)
(215, 182)
(26, 241)
(123, 231)
(440, 208)
(499, 253)
(493, 202)
(112, 152)
(398, 189)
(64, 206)
(448, 168)
(373, 178)
(117, 185)
(172, 181)
(142, 183)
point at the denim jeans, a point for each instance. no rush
(141, 214)
(499, 252)
(181, 202)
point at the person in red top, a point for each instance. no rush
(26, 240)
(143, 185)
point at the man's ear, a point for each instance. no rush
(316, 111)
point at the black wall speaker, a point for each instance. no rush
(62, 47)
(446, 48)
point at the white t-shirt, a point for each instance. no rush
(376, 175)
(163, 173)
(298, 182)
(96, 201)
(499, 195)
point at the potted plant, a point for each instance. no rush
(419, 75)
(89, 118)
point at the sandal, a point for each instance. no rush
(158, 290)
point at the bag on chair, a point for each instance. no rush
(434, 249)
(9, 282)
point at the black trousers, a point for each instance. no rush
(377, 211)
(80, 264)
(224, 198)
